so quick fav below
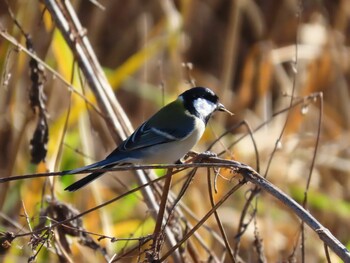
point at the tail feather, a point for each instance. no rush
(109, 162)
(89, 178)
(90, 166)
(84, 181)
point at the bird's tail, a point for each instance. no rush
(84, 181)
(104, 164)
(87, 179)
(111, 160)
(99, 164)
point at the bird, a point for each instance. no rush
(164, 138)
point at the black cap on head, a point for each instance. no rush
(200, 92)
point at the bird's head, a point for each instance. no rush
(202, 102)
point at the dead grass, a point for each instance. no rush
(245, 51)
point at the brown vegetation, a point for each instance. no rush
(291, 123)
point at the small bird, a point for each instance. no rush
(163, 139)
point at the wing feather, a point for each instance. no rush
(160, 129)
(147, 137)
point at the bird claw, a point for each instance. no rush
(179, 162)
(207, 154)
(195, 157)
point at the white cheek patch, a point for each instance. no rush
(204, 107)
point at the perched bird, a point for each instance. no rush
(163, 139)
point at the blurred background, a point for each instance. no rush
(151, 51)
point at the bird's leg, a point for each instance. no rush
(188, 158)
(204, 155)
(179, 162)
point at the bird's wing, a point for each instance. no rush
(148, 136)
(160, 129)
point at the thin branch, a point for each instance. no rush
(217, 218)
(158, 237)
(119, 168)
(91, 209)
(205, 218)
(54, 73)
(324, 234)
(250, 175)
(242, 227)
(313, 161)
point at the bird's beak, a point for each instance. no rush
(221, 107)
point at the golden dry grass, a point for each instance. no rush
(245, 51)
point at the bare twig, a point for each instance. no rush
(200, 223)
(217, 218)
(26, 216)
(54, 73)
(323, 233)
(158, 238)
(249, 175)
(92, 209)
(318, 135)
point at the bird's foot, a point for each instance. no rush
(207, 154)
